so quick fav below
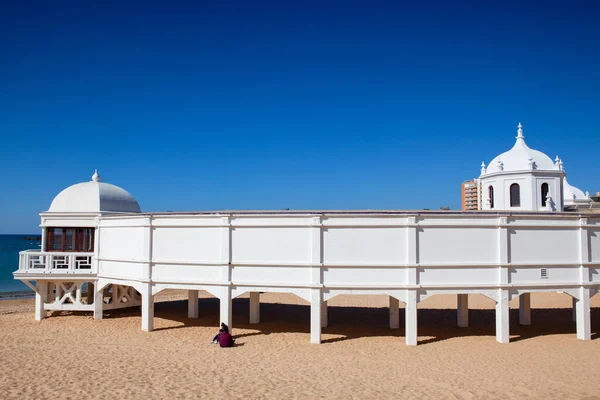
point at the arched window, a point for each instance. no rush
(544, 193)
(515, 195)
(491, 196)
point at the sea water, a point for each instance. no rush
(10, 246)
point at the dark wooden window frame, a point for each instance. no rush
(79, 239)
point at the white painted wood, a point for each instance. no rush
(225, 309)
(583, 315)
(90, 293)
(324, 317)
(502, 321)
(147, 308)
(193, 305)
(254, 307)
(462, 312)
(411, 317)
(525, 309)
(41, 295)
(394, 313)
(315, 316)
(98, 303)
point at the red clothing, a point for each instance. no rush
(225, 339)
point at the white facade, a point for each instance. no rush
(316, 255)
(538, 183)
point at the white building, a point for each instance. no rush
(523, 179)
(95, 234)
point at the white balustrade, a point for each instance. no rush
(35, 262)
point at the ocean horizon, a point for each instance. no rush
(10, 246)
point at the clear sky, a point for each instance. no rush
(300, 105)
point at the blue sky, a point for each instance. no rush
(301, 105)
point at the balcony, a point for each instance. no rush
(43, 262)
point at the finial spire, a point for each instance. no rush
(96, 177)
(520, 132)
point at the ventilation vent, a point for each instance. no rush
(544, 273)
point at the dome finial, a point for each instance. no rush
(96, 177)
(520, 132)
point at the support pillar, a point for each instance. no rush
(98, 303)
(40, 298)
(90, 293)
(254, 307)
(411, 318)
(462, 310)
(574, 309)
(315, 315)
(147, 308)
(394, 313)
(525, 309)
(193, 306)
(502, 323)
(582, 306)
(324, 319)
(225, 312)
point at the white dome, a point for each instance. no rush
(520, 158)
(94, 196)
(572, 194)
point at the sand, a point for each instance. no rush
(71, 356)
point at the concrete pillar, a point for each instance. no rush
(40, 298)
(462, 310)
(502, 323)
(582, 307)
(98, 304)
(394, 313)
(324, 319)
(525, 309)
(193, 306)
(315, 315)
(225, 312)
(90, 293)
(574, 308)
(254, 307)
(410, 327)
(147, 308)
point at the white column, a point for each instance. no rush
(583, 315)
(90, 293)
(193, 307)
(98, 303)
(147, 308)
(315, 315)
(462, 310)
(525, 309)
(411, 317)
(502, 324)
(324, 314)
(394, 313)
(225, 307)
(574, 308)
(254, 307)
(40, 298)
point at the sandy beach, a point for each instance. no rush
(71, 356)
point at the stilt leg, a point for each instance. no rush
(525, 309)
(411, 318)
(462, 311)
(502, 324)
(394, 313)
(254, 307)
(90, 293)
(225, 308)
(324, 314)
(574, 310)
(98, 304)
(40, 298)
(147, 308)
(583, 315)
(193, 306)
(315, 316)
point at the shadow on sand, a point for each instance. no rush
(347, 323)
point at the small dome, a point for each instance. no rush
(94, 196)
(520, 158)
(571, 194)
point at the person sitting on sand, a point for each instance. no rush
(224, 329)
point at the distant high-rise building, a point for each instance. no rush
(470, 195)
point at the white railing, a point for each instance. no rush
(35, 261)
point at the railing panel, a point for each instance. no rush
(35, 261)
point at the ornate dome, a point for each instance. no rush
(571, 194)
(520, 158)
(93, 197)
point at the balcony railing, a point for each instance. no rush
(35, 261)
